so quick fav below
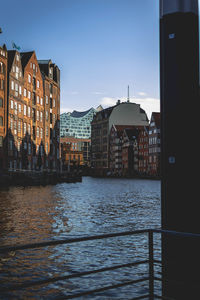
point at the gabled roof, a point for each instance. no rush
(132, 133)
(25, 57)
(44, 61)
(121, 128)
(11, 56)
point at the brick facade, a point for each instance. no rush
(3, 105)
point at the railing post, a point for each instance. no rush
(151, 269)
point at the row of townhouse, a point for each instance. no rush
(133, 149)
(123, 113)
(29, 112)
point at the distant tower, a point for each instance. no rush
(180, 160)
(128, 99)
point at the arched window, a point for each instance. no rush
(1, 121)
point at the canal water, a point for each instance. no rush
(93, 206)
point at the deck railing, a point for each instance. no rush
(151, 276)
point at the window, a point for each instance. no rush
(29, 111)
(20, 90)
(38, 84)
(11, 123)
(19, 127)
(38, 115)
(29, 148)
(24, 92)
(12, 85)
(1, 102)
(10, 144)
(47, 115)
(41, 116)
(29, 78)
(24, 128)
(1, 67)
(17, 57)
(41, 133)
(47, 130)
(20, 108)
(38, 99)
(1, 142)
(29, 95)
(29, 129)
(47, 148)
(11, 104)
(54, 103)
(1, 121)
(38, 132)
(47, 100)
(24, 109)
(41, 101)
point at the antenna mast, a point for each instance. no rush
(128, 99)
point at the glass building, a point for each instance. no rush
(77, 124)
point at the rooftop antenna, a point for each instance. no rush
(128, 99)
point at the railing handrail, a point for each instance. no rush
(174, 232)
(95, 237)
(71, 240)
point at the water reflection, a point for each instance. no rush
(92, 207)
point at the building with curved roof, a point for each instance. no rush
(77, 124)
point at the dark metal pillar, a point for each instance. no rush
(180, 159)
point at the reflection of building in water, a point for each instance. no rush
(32, 215)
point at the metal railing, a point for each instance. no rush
(150, 261)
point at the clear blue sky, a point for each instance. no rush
(100, 46)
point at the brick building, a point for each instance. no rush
(130, 151)
(51, 82)
(154, 144)
(115, 148)
(31, 133)
(143, 150)
(125, 113)
(75, 152)
(3, 105)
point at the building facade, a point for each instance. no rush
(75, 152)
(125, 113)
(130, 151)
(51, 85)
(77, 124)
(143, 150)
(24, 128)
(154, 145)
(3, 106)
